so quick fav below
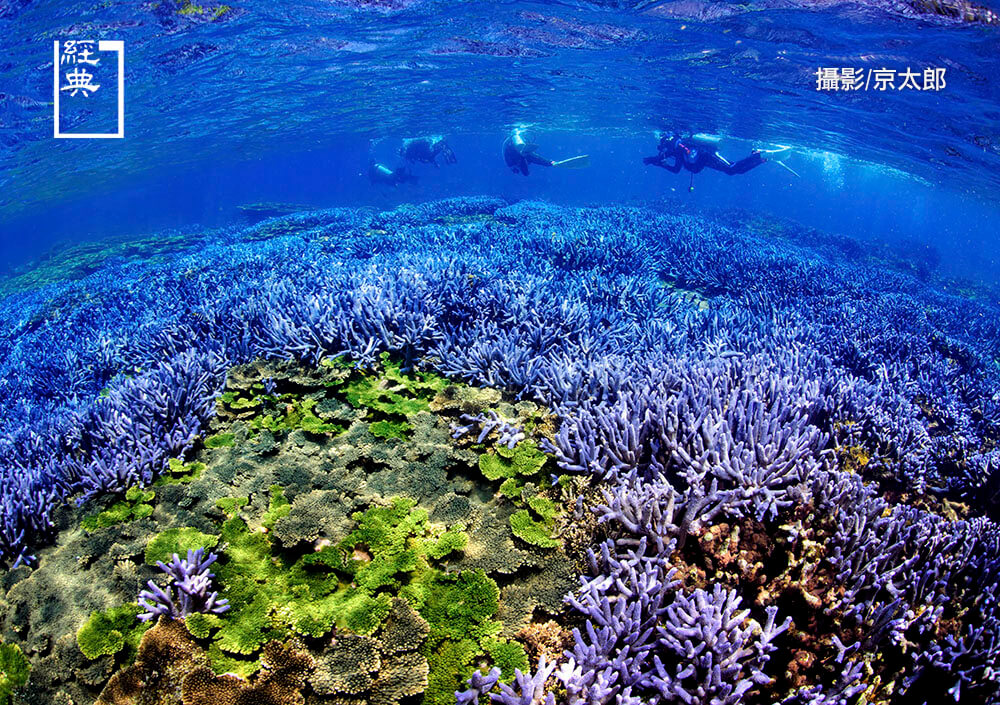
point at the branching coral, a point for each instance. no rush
(193, 584)
(508, 434)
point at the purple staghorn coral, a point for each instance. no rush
(644, 636)
(728, 652)
(508, 435)
(479, 684)
(526, 689)
(738, 412)
(193, 585)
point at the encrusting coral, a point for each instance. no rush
(136, 505)
(108, 632)
(310, 543)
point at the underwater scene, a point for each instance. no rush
(428, 352)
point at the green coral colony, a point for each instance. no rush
(366, 554)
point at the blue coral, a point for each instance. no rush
(733, 408)
(190, 590)
(508, 435)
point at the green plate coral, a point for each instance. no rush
(111, 631)
(335, 498)
(177, 540)
(14, 671)
(136, 505)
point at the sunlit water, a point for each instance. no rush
(281, 101)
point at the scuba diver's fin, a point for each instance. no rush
(786, 167)
(581, 162)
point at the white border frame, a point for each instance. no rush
(115, 45)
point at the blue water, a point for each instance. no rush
(290, 101)
(774, 394)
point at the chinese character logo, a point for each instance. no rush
(83, 61)
(852, 79)
(77, 51)
(80, 80)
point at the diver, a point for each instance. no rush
(381, 174)
(696, 152)
(518, 153)
(427, 150)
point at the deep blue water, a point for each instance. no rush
(290, 101)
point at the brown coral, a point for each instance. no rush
(404, 629)
(172, 669)
(379, 671)
(167, 654)
(286, 667)
(460, 399)
(312, 515)
(347, 666)
(545, 640)
(406, 675)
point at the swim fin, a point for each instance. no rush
(786, 167)
(581, 162)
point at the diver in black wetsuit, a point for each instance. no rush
(381, 174)
(694, 153)
(518, 153)
(427, 150)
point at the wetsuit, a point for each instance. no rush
(427, 150)
(695, 155)
(517, 154)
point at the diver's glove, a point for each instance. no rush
(649, 161)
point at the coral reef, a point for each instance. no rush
(313, 541)
(788, 455)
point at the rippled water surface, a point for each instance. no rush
(265, 77)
